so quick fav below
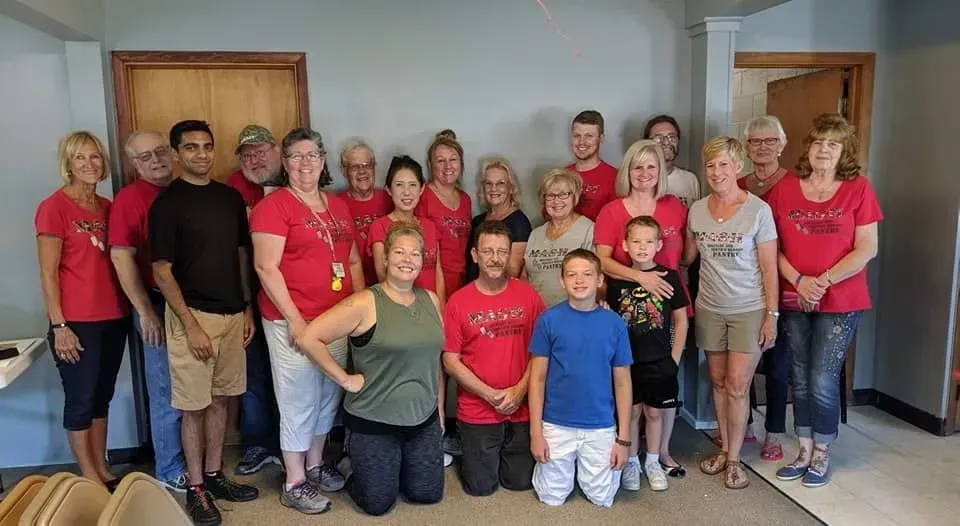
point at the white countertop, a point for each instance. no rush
(30, 349)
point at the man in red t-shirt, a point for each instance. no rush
(260, 164)
(487, 325)
(366, 202)
(130, 252)
(599, 178)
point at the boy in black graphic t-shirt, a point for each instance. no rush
(657, 330)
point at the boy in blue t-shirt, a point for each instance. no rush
(657, 330)
(579, 349)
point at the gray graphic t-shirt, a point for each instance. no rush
(542, 257)
(730, 279)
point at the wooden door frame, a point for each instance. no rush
(124, 62)
(860, 110)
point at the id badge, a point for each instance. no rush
(338, 270)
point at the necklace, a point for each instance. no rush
(761, 182)
(722, 217)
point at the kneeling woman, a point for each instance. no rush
(394, 405)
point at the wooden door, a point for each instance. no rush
(796, 101)
(228, 90)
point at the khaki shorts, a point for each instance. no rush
(193, 382)
(731, 332)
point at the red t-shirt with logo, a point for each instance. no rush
(431, 246)
(89, 290)
(492, 335)
(453, 231)
(598, 189)
(815, 236)
(611, 228)
(364, 214)
(128, 223)
(306, 263)
(252, 192)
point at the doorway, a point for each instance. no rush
(796, 87)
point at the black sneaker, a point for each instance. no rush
(254, 459)
(222, 488)
(200, 507)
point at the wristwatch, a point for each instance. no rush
(624, 443)
(773, 312)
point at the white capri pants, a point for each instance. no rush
(307, 398)
(584, 452)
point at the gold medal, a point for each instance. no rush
(337, 284)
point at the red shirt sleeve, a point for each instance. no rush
(452, 334)
(605, 229)
(123, 229)
(49, 220)
(868, 210)
(268, 217)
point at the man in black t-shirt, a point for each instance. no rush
(198, 242)
(657, 330)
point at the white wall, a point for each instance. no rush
(493, 71)
(834, 25)
(35, 104)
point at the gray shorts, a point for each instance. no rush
(729, 332)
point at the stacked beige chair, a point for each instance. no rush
(15, 503)
(140, 500)
(66, 500)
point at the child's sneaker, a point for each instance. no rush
(656, 477)
(630, 479)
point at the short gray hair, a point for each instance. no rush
(353, 145)
(765, 122)
(128, 145)
(303, 134)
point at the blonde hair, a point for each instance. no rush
(71, 144)
(560, 175)
(503, 164)
(832, 127)
(723, 145)
(637, 151)
(444, 138)
(399, 229)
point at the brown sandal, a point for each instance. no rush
(735, 477)
(714, 464)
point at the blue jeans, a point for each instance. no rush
(818, 344)
(164, 419)
(259, 420)
(777, 371)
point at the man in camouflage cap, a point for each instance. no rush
(259, 156)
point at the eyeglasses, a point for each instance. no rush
(670, 138)
(255, 155)
(559, 195)
(490, 186)
(766, 141)
(298, 158)
(357, 168)
(158, 152)
(489, 253)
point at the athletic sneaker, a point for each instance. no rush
(305, 498)
(452, 445)
(220, 487)
(178, 484)
(326, 478)
(630, 479)
(656, 477)
(447, 460)
(200, 507)
(254, 459)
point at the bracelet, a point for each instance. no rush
(829, 277)
(625, 443)
(796, 282)
(58, 325)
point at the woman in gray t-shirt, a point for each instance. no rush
(564, 231)
(734, 233)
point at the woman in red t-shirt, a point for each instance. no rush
(827, 217)
(642, 187)
(85, 305)
(405, 184)
(307, 259)
(448, 207)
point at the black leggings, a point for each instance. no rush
(384, 466)
(88, 385)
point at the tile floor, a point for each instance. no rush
(886, 472)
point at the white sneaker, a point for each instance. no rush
(630, 479)
(447, 460)
(656, 477)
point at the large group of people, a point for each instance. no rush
(318, 309)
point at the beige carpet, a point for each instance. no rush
(694, 500)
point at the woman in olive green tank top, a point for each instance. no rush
(394, 404)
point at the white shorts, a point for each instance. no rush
(581, 452)
(308, 399)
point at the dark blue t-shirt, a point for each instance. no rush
(582, 348)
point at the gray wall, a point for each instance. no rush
(493, 71)
(35, 103)
(919, 191)
(832, 25)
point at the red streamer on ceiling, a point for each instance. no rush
(555, 26)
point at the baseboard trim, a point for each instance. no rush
(130, 455)
(912, 415)
(864, 397)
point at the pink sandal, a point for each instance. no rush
(771, 452)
